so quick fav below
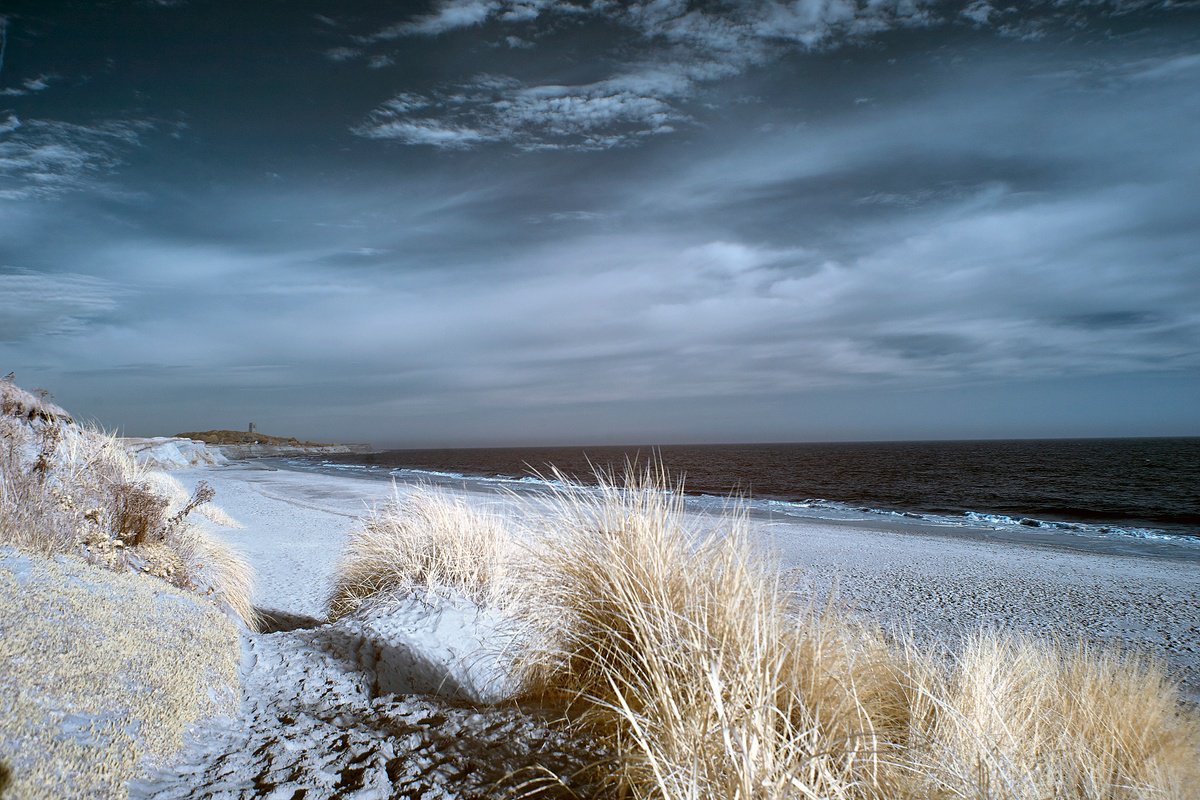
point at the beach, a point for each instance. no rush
(323, 708)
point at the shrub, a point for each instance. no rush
(17, 403)
(138, 514)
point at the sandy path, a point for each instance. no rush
(363, 708)
(375, 706)
(323, 716)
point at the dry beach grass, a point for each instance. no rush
(674, 645)
(67, 489)
(424, 539)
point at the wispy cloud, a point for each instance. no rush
(735, 24)
(40, 158)
(343, 53)
(648, 94)
(35, 304)
(447, 16)
(609, 113)
(385, 125)
(29, 86)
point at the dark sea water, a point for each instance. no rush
(1147, 488)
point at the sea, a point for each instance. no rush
(1102, 494)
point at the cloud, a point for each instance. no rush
(980, 12)
(36, 304)
(689, 47)
(45, 158)
(447, 16)
(805, 21)
(29, 86)
(340, 54)
(566, 216)
(1167, 68)
(385, 125)
(596, 116)
(733, 25)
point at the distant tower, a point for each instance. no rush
(251, 427)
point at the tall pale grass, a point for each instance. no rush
(424, 539)
(679, 650)
(215, 570)
(1017, 717)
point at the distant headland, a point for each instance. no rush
(253, 444)
(246, 437)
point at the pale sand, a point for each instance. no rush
(348, 709)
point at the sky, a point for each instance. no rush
(506, 222)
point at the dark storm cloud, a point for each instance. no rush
(641, 220)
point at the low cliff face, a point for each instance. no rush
(168, 452)
(237, 451)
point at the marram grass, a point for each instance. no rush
(670, 643)
(424, 539)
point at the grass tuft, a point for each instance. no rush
(419, 540)
(1018, 717)
(678, 649)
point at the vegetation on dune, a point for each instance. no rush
(31, 407)
(676, 648)
(118, 659)
(112, 638)
(67, 489)
(422, 540)
(244, 437)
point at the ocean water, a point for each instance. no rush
(1145, 489)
